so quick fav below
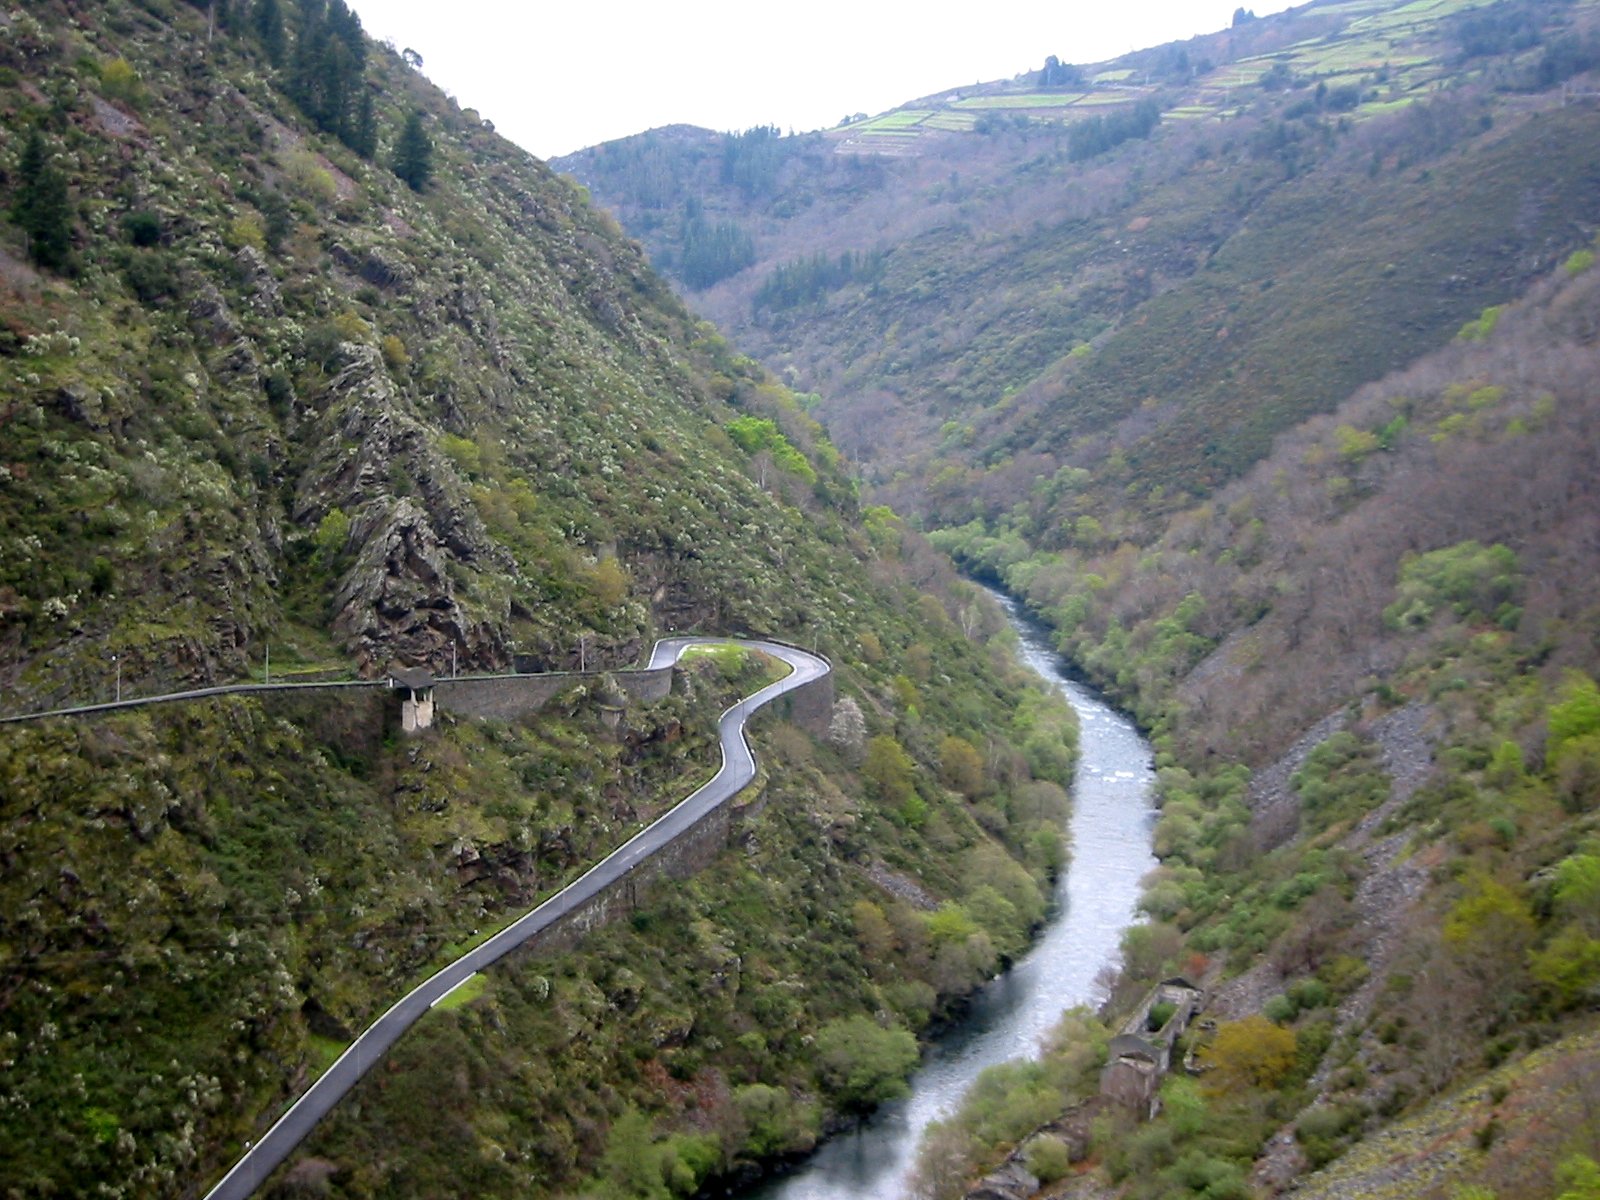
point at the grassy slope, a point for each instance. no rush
(1308, 300)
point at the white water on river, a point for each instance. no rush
(1112, 819)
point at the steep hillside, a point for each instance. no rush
(300, 361)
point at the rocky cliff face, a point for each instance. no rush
(410, 522)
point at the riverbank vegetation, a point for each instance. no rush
(1399, 888)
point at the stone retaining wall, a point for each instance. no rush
(506, 697)
(693, 850)
(809, 706)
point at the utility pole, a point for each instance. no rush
(116, 661)
(453, 660)
(268, 676)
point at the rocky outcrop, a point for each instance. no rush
(210, 317)
(413, 529)
(80, 403)
(375, 265)
(1012, 1181)
(256, 275)
(398, 600)
(1274, 807)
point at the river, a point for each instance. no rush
(1112, 819)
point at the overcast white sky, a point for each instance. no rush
(556, 77)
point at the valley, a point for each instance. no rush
(1018, 1012)
(1259, 367)
(1278, 409)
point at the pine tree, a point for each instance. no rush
(269, 28)
(302, 80)
(41, 206)
(345, 26)
(413, 155)
(326, 70)
(364, 137)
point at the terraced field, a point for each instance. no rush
(1390, 56)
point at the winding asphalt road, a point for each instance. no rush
(738, 768)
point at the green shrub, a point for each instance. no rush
(755, 434)
(1575, 715)
(1048, 1159)
(142, 228)
(119, 81)
(1469, 579)
(152, 275)
(778, 1124)
(862, 1063)
(1214, 1178)
(331, 537)
(1340, 779)
(1482, 326)
(1308, 994)
(1324, 1131)
(1343, 975)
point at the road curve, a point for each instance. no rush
(738, 768)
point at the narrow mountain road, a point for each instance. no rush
(738, 768)
(225, 689)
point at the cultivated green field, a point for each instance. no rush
(952, 121)
(1023, 100)
(1391, 54)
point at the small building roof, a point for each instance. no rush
(418, 679)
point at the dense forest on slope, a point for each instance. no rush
(299, 359)
(1282, 413)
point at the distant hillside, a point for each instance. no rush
(304, 370)
(1369, 667)
(972, 300)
